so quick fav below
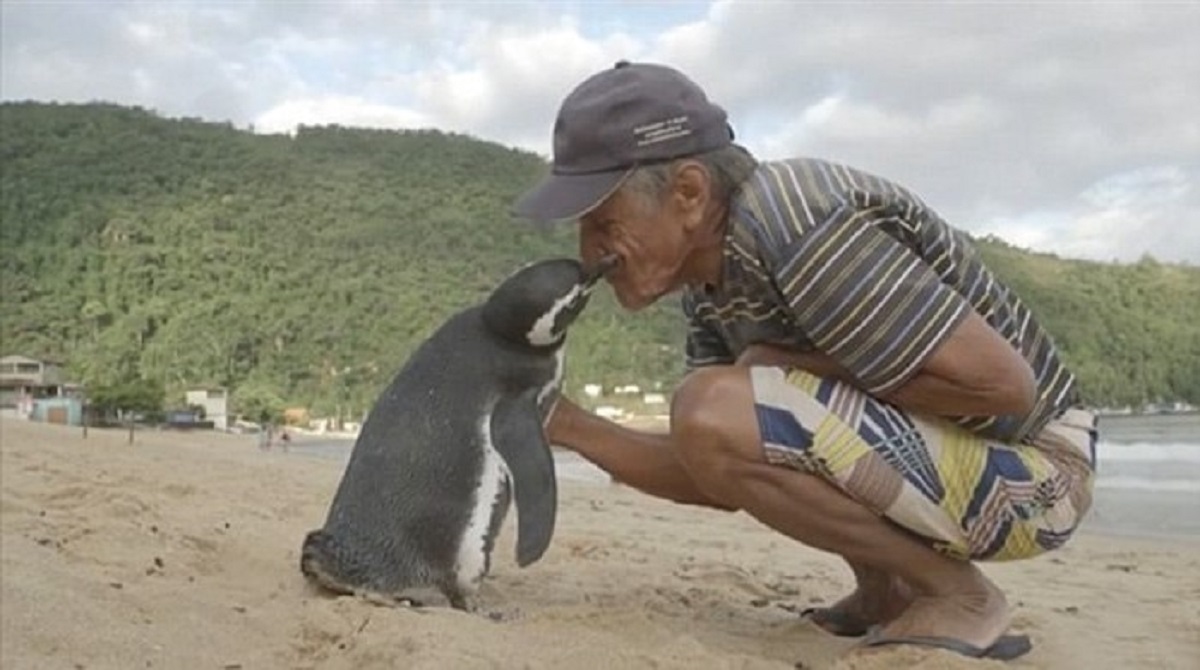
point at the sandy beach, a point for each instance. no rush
(180, 551)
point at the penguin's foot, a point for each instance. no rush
(391, 600)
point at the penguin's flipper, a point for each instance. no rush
(518, 436)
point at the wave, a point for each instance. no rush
(1149, 484)
(1181, 452)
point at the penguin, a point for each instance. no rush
(455, 437)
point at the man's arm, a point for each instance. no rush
(974, 372)
(884, 318)
(641, 459)
(637, 458)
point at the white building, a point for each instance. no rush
(215, 403)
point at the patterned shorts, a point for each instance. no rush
(967, 496)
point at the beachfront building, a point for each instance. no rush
(24, 379)
(214, 402)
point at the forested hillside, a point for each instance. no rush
(309, 267)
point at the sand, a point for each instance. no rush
(180, 551)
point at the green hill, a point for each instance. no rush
(195, 253)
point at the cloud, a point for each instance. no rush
(1148, 210)
(341, 110)
(1122, 218)
(993, 112)
(176, 59)
(1018, 119)
(515, 78)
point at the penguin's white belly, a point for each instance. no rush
(493, 474)
(556, 382)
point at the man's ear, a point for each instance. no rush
(691, 191)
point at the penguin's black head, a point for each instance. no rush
(536, 304)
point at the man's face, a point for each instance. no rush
(650, 239)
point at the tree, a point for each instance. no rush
(128, 396)
(204, 255)
(258, 403)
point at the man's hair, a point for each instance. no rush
(727, 167)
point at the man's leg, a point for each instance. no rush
(715, 430)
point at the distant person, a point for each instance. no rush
(267, 436)
(858, 379)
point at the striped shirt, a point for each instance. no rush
(820, 256)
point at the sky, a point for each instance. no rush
(1068, 127)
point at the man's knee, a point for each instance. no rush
(712, 420)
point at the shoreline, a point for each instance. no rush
(1142, 512)
(181, 550)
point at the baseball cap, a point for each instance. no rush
(616, 120)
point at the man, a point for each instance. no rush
(858, 380)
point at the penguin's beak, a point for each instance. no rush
(601, 268)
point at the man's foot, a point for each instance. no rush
(873, 602)
(971, 621)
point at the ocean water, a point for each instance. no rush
(1149, 467)
(1147, 477)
